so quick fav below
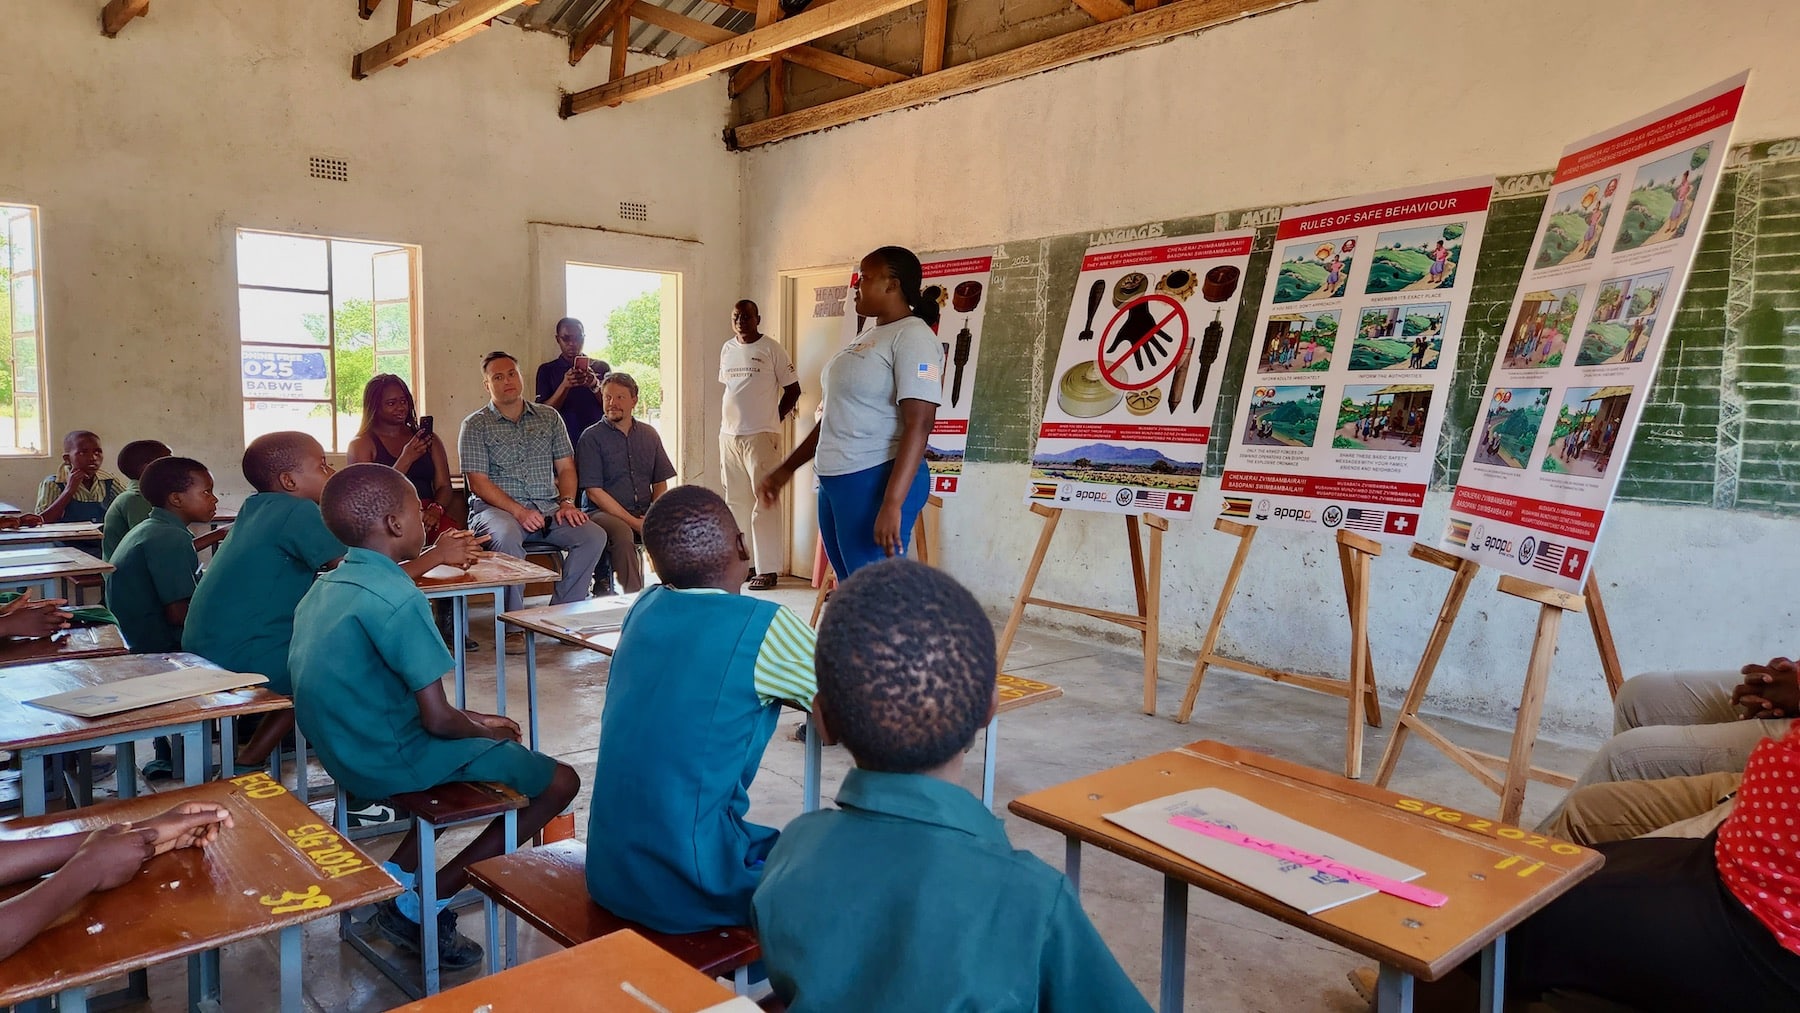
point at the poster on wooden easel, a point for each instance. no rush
(1582, 342)
(959, 283)
(1351, 360)
(1131, 400)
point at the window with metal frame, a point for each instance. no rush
(22, 422)
(317, 318)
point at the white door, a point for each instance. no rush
(813, 304)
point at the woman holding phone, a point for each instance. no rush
(392, 434)
(880, 399)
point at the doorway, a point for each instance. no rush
(813, 305)
(630, 319)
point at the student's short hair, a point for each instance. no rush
(688, 533)
(906, 666)
(272, 455)
(357, 499)
(571, 320)
(167, 476)
(623, 380)
(75, 436)
(489, 359)
(137, 455)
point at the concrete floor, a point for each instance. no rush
(1237, 960)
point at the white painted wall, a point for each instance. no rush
(1331, 98)
(147, 151)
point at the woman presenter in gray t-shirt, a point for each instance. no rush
(881, 394)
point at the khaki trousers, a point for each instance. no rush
(747, 461)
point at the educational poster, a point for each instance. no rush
(1131, 400)
(1582, 342)
(1351, 360)
(959, 283)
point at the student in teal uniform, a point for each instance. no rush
(909, 896)
(155, 568)
(367, 666)
(131, 508)
(691, 700)
(243, 615)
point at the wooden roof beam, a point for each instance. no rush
(614, 14)
(825, 62)
(119, 13)
(1105, 10)
(440, 31)
(783, 35)
(1178, 17)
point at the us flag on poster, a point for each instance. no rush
(1365, 520)
(1148, 500)
(1549, 556)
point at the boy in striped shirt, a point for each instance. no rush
(694, 689)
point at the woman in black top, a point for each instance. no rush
(390, 435)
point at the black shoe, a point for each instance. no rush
(456, 952)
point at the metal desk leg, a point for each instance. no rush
(193, 768)
(815, 756)
(459, 612)
(499, 652)
(203, 981)
(1393, 991)
(1493, 976)
(490, 913)
(228, 749)
(125, 772)
(73, 1000)
(291, 981)
(992, 744)
(428, 898)
(531, 682)
(1072, 862)
(1174, 944)
(31, 782)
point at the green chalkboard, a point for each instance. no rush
(1721, 428)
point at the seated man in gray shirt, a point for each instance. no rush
(622, 466)
(520, 468)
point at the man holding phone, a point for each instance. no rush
(570, 383)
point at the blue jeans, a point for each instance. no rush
(847, 508)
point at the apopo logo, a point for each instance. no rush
(1091, 494)
(1292, 514)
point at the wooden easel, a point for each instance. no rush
(1146, 579)
(1517, 765)
(1354, 553)
(925, 535)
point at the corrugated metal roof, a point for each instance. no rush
(567, 17)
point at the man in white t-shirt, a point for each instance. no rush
(761, 388)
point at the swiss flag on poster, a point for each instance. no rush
(1573, 563)
(1180, 501)
(1401, 524)
(944, 483)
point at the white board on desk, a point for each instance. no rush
(146, 691)
(1296, 885)
(598, 621)
(31, 557)
(443, 572)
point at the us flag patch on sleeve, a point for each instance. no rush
(930, 371)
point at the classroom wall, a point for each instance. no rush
(147, 151)
(1328, 99)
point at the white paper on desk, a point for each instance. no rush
(1295, 885)
(31, 557)
(146, 691)
(588, 623)
(443, 572)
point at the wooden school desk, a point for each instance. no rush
(44, 568)
(594, 625)
(621, 972)
(48, 534)
(1495, 875)
(277, 868)
(492, 573)
(70, 644)
(9, 508)
(35, 732)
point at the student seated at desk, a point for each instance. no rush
(696, 684)
(79, 491)
(131, 508)
(33, 620)
(242, 617)
(156, 569)
(909, 896)
(80, 864)
(367, 664)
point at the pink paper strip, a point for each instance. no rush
(1362, 877)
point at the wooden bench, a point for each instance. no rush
(441, 808)
(547, 887)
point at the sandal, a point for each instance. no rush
(764, 581)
